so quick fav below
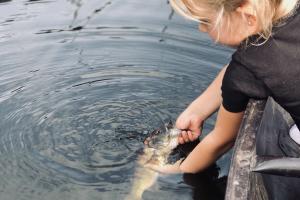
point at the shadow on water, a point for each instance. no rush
(4, 1)
(206, 185)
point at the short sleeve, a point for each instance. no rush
(239, 85)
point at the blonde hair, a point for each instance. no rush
(268, 12)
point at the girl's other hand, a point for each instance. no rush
(191, 125)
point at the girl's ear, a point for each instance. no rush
(247, 11)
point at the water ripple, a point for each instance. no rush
(82, 83)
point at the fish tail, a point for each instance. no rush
(144, 179)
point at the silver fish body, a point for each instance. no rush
(156, 152)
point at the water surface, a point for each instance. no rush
(82, 83)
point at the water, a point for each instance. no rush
(82, 82)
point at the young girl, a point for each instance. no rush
(266, 63)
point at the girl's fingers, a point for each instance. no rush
(196, 136)
(147, 140)
(185, 136)
(190, 136)
(180, 140)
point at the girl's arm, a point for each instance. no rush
(217, 142)
(200, 109)
(210, 100)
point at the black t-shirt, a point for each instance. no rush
(268, 69)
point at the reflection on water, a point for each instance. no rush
(82, 83)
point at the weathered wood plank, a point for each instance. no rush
(239, 179)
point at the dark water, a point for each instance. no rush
(82, 82)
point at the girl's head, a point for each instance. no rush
(231, 21)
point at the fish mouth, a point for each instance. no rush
(157, 139)
(162, 137)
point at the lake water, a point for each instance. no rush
(82, 83)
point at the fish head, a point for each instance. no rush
(164, 137)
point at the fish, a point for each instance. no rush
(157, 149)
(281, 166)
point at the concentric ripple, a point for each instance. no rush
(81, 85)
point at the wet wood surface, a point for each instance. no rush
(239, 179)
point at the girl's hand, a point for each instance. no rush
(200, 109)
(191, 123)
